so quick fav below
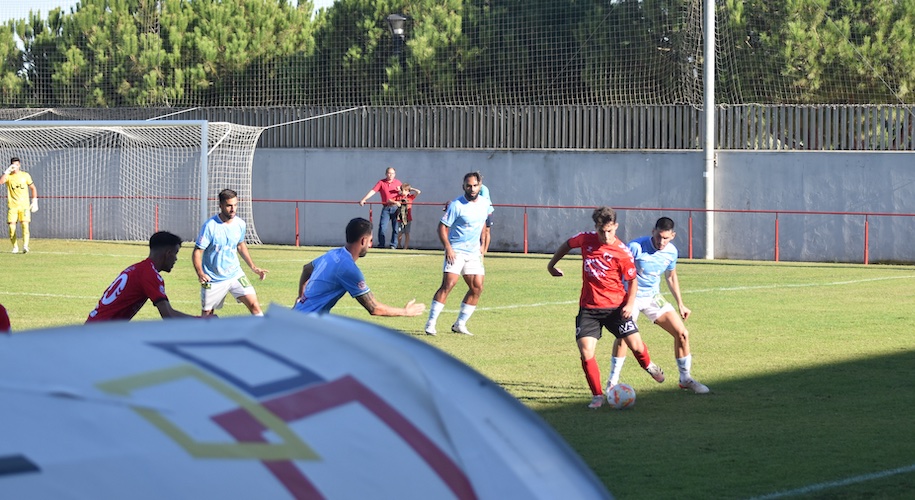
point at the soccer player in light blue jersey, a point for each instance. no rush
(459, 231)
(654, 256)
(215, 259)
(330, 276)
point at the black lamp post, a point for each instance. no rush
(397, 23)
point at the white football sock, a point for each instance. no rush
(616, 367)
(434, 310)
(466, 312)
(685, 364)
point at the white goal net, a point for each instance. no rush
(124, 180)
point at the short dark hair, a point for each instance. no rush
(357, 228)
(664, 224)
(14, 159)
(164, 239)
(478, 175)
(603, 215)
(226, 195)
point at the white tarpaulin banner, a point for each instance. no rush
(284, 406)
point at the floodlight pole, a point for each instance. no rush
(709, 99)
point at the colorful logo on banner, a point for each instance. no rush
(268, 407)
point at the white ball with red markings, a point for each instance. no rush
(621, 396)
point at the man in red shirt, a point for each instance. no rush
(608, 271)
(141, 282)
(389, 187)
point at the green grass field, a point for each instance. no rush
(811, 366)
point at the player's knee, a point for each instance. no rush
(253, 305)
(682, 335)
(585, 352)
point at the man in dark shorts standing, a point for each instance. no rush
(608, 271)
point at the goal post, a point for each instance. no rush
(124, 180)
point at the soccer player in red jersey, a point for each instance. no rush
(141, 282)
(4, 320)
(608, 271)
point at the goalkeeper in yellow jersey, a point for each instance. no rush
(22, 198)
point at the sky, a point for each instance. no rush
(20, 8)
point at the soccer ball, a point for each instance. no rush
(622, 396)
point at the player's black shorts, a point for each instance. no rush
(588, 323)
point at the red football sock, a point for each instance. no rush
(642, 357)
(592, 375)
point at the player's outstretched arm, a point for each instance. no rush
(376, 308)
(167, 311)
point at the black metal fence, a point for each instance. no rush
(744, 127)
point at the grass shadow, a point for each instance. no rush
(754, 436)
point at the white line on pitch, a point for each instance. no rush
(814, 488)
(701, 290)
(724, 289)
(796, 285)
(50, 295)
(77, 297)
(81, 254)
(565, 302)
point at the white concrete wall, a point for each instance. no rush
(637, 183)
(872, 182)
